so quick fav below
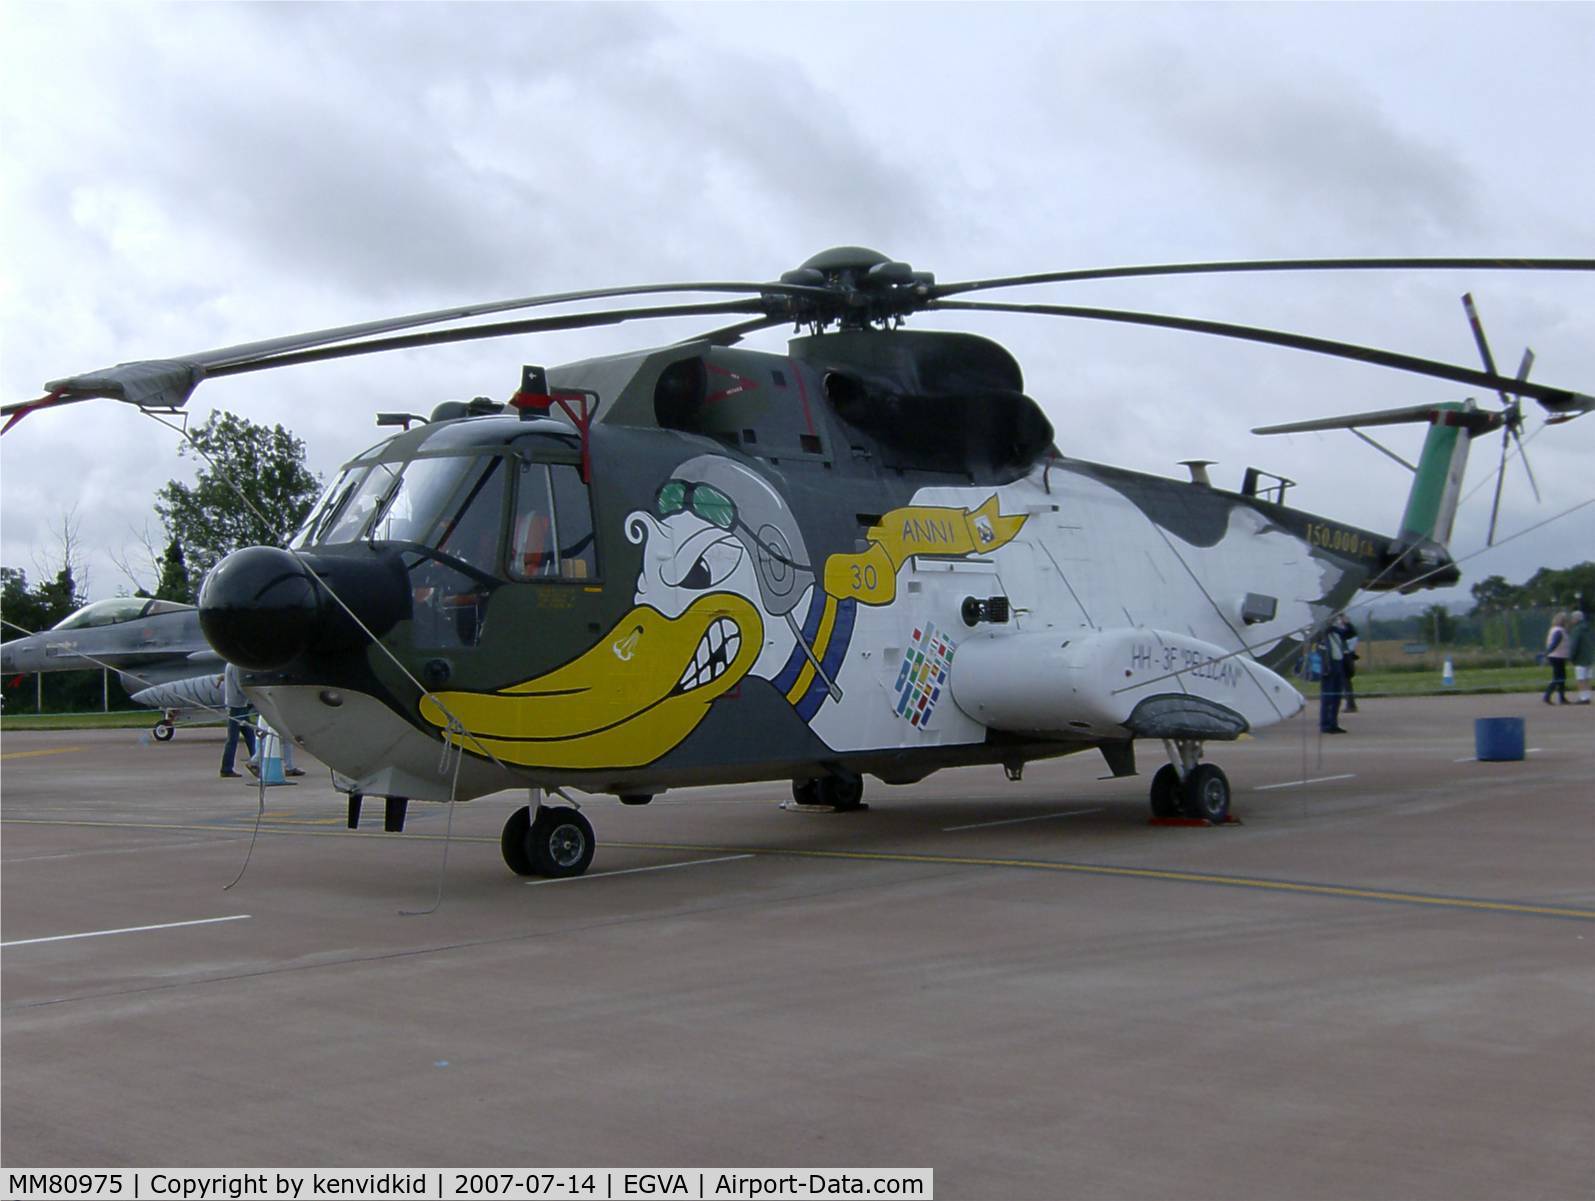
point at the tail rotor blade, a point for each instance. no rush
(1515, 428)
(1524, 455)
(1500, 478)
(1483, 343)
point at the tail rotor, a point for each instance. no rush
(1511, 413)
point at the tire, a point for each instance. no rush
(636, 798)
(561, 842)
(1207, 794)
(1166, 791)
(163, 731)
(842, 793)
(807, 792)
(515, 842)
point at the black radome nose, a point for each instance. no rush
(259, 608)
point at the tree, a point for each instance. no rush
(174, 584)
(20, 607)
(1492, 594)
(210, 519)
(1440, 625)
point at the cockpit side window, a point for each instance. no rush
(532, 535)
(552, 534)
(573, 508)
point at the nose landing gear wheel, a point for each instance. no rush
(561, 842)
(558, 842)
(1206, 794)
(514, 842)
(163, 731)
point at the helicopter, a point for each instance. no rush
(700, 563)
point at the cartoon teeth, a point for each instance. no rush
(717, 650)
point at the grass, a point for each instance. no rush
(1425, 683)
(141, 719)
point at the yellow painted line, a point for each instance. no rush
(58, 750)
(1092, 869)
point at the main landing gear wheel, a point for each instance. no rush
(163, 731)
(842, 793)
(1206, 794)
(1166, 791)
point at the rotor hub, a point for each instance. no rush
(856, 288)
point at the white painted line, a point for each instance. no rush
(1351, 775)
(190, 845)
(1010, 821)
(658, 867)
(204, 921)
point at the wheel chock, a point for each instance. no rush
(1231, 820)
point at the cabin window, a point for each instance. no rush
(552, 533)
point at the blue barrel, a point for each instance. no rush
(1498, 738)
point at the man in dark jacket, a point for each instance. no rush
(1333, 684)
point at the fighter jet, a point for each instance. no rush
(155, 646)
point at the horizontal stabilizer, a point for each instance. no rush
(1475, 421)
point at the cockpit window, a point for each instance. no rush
(348, 520)
(415, 508)
(327, 509)
(468, 529)
(552, 535)
(105, 612)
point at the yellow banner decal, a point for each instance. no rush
(870, 577)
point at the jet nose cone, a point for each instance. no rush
(259, 608)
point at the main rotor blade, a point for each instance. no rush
(730, 335)
(272, 346)
(472, 333)
(1550, 397)
(166, 384)
(1241, 266)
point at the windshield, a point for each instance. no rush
(422, 497)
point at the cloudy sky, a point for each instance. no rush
(175, 178)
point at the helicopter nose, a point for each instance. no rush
(260, 608)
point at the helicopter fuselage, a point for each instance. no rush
(865, 556)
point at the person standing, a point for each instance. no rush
(1557, 648)
(1348, 639)
(1581, 652)
(1333, 683)
(237, 721)
(285, 749)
